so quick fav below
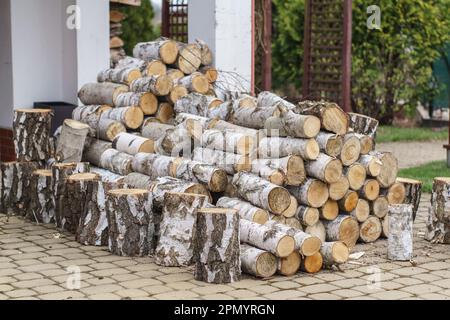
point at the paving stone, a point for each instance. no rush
(263, 289)
(308, 280)
(95, 281)
(327, 277)
(213, 288)
(63, 295)
(7, 280)
(434, 296)
(176, 277)
(286, 285)
(21, 293)
(5, 287)
(48, 289)
(182, 285)
(28, 276)
(131, 293)
(324, 296)
(421, 289)
(107, 288)
(33, 283)
(433, 266)
(408, 281)
(39, 267)
(156, 289)
(390, 295)
(318, 288)
(104, 296)
(427, 277)
(219, 296)
(244, 283)
(176, 295)
(408, 271)
(284, 294)
(139, 283)
(125, 277)
(347, 293)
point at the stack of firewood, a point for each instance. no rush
(116, 17)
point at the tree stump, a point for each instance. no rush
(438, 223)
(178, 229)
(400, 238)
(257, 262)
(217, 251)
(130, 219)
(42, 208)
(413, 192)
(32, 134)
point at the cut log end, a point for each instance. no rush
(285, 246)
(312, 264)
(380, 207)
(310, 216)
(317, 193)
(156, 68)
(165, 112)
(311, 126)
(168, 52)
(83, 177)
(370, 230)
(266, 265)
(312, 149)
(289, 266)
(396, 193)
(335, 121)
(43, 173)
(330, 210)
(349, 232)
(339, 252)
(333, 171)
(371, 189)
(279, 200)
(338, 189)
(133, 118)
(351, 150)
(311, 246)
(219, 181)
(362, 211)
(349, 202)
(356, 175)
(163, 85)
(292, 209)
(148, 103)
(200, 84)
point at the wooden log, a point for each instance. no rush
(330, 143)
(158, 85)
(178, 229)
(108, 158)
(266, 238)
(379, 207)
(162, 49)
(370, 190)
(312, 192)
(131, 62)
(370, 229)
(351, 149)
(164, 113)
(119, 75)
(82, 113)
(261, 193)
(205, 52)
(275, 176)
(293, 222)
(389, 168)
(94, 151)
(93, 227)
(362, 211)
(257, 262)
(107, 176)
(325, 168)
(349, 201)
(292, 209)
(175, 142)
(215, 179)
(312, 264)
(230, 162)
(338, 189)
(15, 186)
(42, 205)
(130, 117)
(231, 191)
(210, 73)
(116, 42)
(356, 175)
(78, 188)
(438, 225)
(413, 192)
(367, 143)
(101, 93)
(177, 92)
(289, 265)
(228, 141)
(254, 117)
(307, 216)
(153, 165)
(116, 16)
(292, 167)
(334, 253)
(217, 247)
(363, 124)
(174, 74)
(71, 142)
(273, 127)
(300, 126)
(275, 147)
(344, 228)
(31, 134)
(132, 144)
(218, 124)
(385, 226)
(395, 194)
(146, 101)
(246, 210)
(195, 82)
(332, 117)
(329, 211)
(155, 130)
(400, 239)
(317, 230)
(193, 103)
(372, 164)
(189, 57)
(268, 99)
(155, 68)
(130, 220)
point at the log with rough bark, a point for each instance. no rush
(289, 265)
(307, 216)
(329, 211)
(268, 99)
(334, 253)
(132, 144)
(94, 151)
(267, 238)
(332, 117)
(372, 164)
(215, 179)
(351, 149)
(78, 188)
(370, 190)
(273, 127)
(175, 142)
(275, 147)
(356, 175)
(324, 168)
(153, 165)
(246, 210)
(363, 124)
(230, 162)
(71, 141)
(42, 205)
(400, 238)
(178, 229)
(254, 117)
(193, 103)
(93, 227)
(362, 210)
(15, 186)
(367, 143)
(273, 175)
(349, 201)
(344, 228)
(318, 230)
(164, 113)
(146, 101)
(312, 264)
(32, 133)
(257, 262)
(218, 124)
(162, 49)
(130, 221)
(158, 85)
(413, 192)
(195, 82)
(330, 143)
(228, 141)
(300, 126)
(312, 192)
(101, 93)
(119, 75)
(155, 130)
(210, 73)
(379, 207)
(217, 246)
(221, 111)
(370, 230)
(206, 55)
(395, 194)
(130, 117)
(292, 166)
(116, 161)
(83, 113)
(389, 168)
(131, 62)
(338, 189)
(106, 175)
(438, 222)
(261, 193)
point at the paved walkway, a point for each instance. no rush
(412, 154)
(34, 262)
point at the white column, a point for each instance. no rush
(6, 80)
(226, 26)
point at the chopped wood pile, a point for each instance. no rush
(155, 163)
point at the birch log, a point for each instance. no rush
(155, 68)
(32, 134)
(317, 230)
(289, 266)
(330, 143)
(292, 167)
(275, 147)
(356, 175)
(332, 117)
(132, 144)
(344, 228)
(119, 75)
(194, 103)
(71, 142)
(438, 222)
(362, 210)
(395, 194)
(158, 85)
(413, 192)
(400, 239)
(274, 127)
(230, 162)
(379, 207)
(106, 175)
(101, 93)
(334, 253)
(130, 117)
(307, 216)
(155, 130)
(324, 168)
(175, 142)
(195, 82)
(162, 49)
(131, 62)
(189, 57)
(153, 165)
(389, 168)
(246, 210)
(218, 124)
(261, 169)
(363, 124)
(370, 230)
(261, 193)
(291, 209)
(205, 52)
(210, 73)
(329, 211)
(244, 101)
(300, 126)
(370, 190)
(215, 179)
(116, 161)
(312, 192)
(351, 149)
(257, 262)
(254, 117)
(174, 74)
(217, 247)
(42, 207)
(268, 99)
(146, 101)
(312, 264)
(94, 151)
(338, 189)
(228, 141)
(366, 142)
(178, 229)
(177, 92)
(164, 113)
(130, 219)
(372, 164)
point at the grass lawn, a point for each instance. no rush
(392, 134)
(426, 173)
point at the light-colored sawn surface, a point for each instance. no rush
(34, 261)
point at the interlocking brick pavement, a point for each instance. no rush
(34, 262)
